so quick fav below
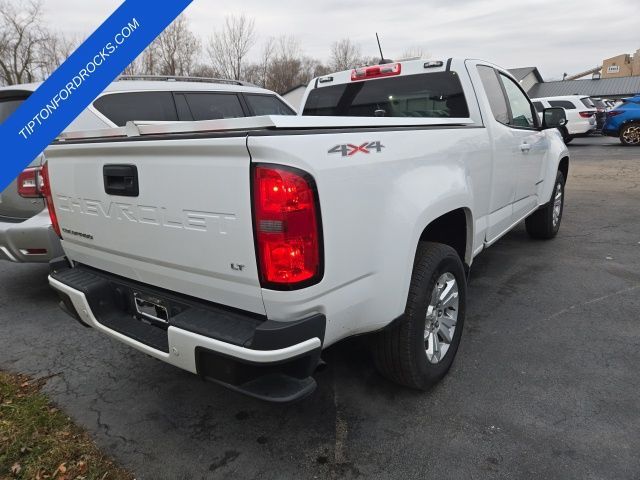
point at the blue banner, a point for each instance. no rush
(80, 79)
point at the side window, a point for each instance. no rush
(566, 104)
(184, 114)
(539, 106)
(121, 108)
(588, 102)
(267, 105)
(214, 106)
(522, 115)
(494, 92)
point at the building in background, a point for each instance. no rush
(624, 65)
(617, 77)
(609, 88)
(527, 76)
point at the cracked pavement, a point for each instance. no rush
(545, 384)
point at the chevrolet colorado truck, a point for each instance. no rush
(238, 249)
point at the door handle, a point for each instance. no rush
(525, 147)
(121, 180)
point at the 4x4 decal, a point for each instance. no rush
(348, 149)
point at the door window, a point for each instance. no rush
(495, 94)
(522, 113)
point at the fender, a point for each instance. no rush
(557, 151)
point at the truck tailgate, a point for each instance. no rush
(188, 226)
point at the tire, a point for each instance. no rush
(545, 222)
(401, 352)
(565, 135)
(630, 134)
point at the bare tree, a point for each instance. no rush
(21, 38)
(175, 51)
(258, 72)
(229, 47)
(345, 55)
(414, 51)
(55, 51)
(285, 66)
(204, 70)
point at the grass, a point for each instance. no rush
(38, 441)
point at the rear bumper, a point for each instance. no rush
(18, 240)
(581, 127)
(269, 360)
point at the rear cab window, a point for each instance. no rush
(426, 95)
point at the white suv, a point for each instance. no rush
(580, 111)
(25, 227)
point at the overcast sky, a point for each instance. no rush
(557, 36)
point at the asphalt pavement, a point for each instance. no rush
(545, 386)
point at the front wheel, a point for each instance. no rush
(419, 350)
(630, 134)
(544, 223)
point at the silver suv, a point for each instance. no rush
(25, 228)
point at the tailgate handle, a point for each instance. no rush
(121, 180)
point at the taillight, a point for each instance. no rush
(614, 113)
(587, 114)
(287, 225)
(46, 192)
(30, 183)
(376, 71)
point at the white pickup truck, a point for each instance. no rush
(239, 249)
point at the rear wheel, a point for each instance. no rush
(630, 134)
(419, 350)
(544, 223)
(565, 135)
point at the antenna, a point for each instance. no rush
(382, 59)
(380, 48)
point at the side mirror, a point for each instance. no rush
(554, 117)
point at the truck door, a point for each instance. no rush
(530, 147)
(518, 151)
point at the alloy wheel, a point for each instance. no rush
(442, 317)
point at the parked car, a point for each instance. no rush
(25, 227)
(580, 111)
(238, 250)
(624, 122)
(601, 111)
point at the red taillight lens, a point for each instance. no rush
(30, 183)
(614, 113)
(287, 225)
(46, 192)
(376, 71)
(587, 114)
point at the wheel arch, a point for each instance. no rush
(453, 228)
(563, 166)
